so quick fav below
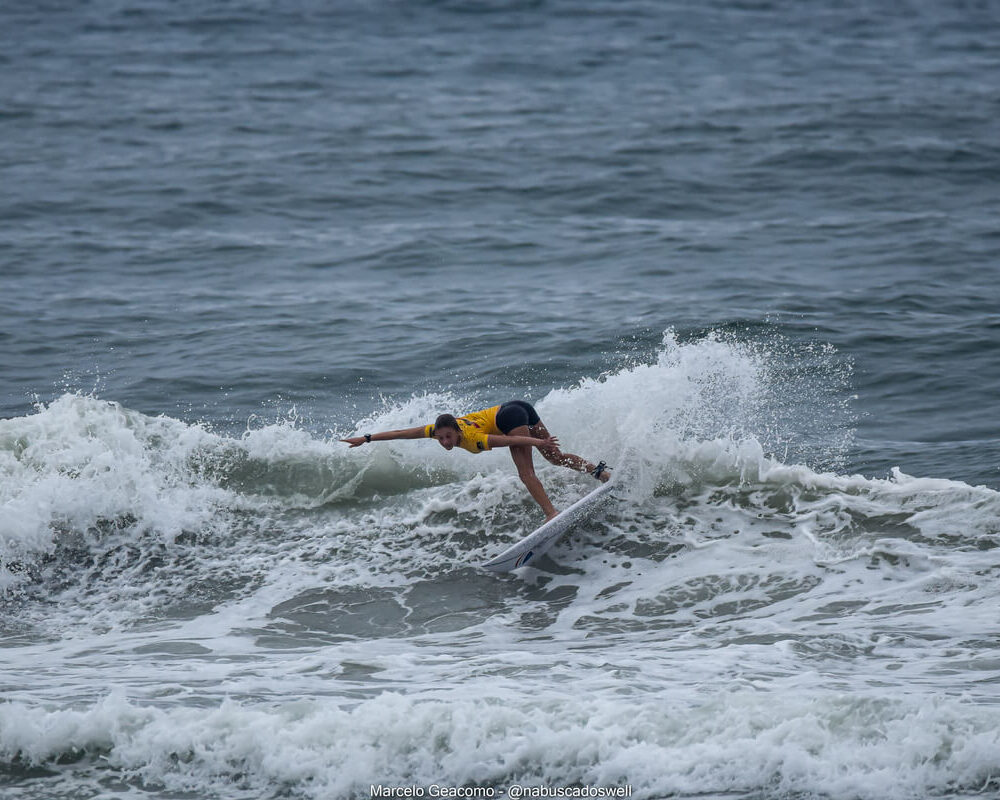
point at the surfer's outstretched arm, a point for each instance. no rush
(384, 436)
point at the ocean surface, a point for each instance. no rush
(746, 252)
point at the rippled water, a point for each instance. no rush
(747, 254)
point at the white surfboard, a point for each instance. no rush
(534, 544)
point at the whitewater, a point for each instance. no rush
(273, 614)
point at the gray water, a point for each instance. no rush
(746, 253)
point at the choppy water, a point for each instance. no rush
(746, 253)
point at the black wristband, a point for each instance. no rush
(368, 437)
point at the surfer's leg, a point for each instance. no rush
(561, 459)
(526, 472)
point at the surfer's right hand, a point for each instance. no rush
(355, 441)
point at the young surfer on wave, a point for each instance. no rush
(516, 425)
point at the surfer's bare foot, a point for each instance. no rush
(601, 472)
(551, 516)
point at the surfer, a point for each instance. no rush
(514, 424)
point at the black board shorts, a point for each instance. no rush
(514, 414)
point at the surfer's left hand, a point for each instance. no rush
(550, 444)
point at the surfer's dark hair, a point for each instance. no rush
(446, 421)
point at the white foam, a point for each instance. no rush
(734, 622)
(80, 460)
(817, 744)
